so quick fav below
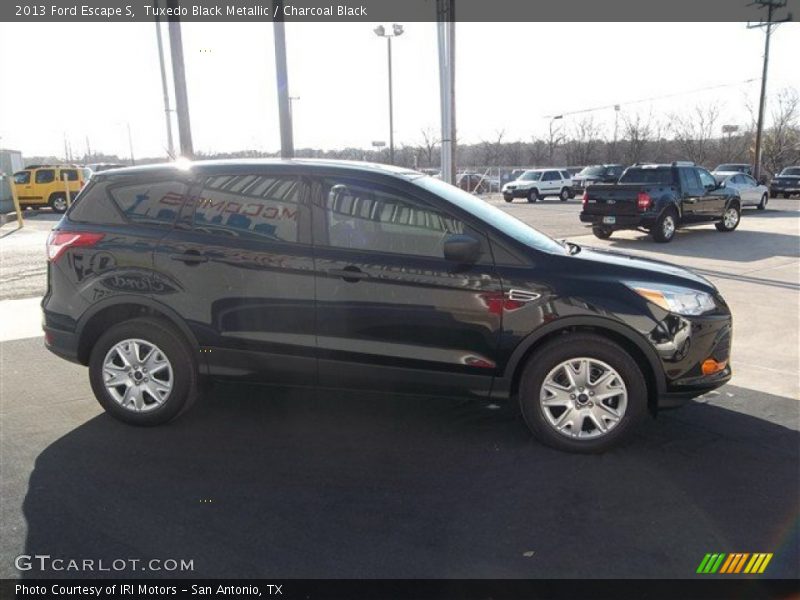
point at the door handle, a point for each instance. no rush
(350, 274)
(190, 257)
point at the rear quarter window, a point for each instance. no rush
(153, 203)
(45, 176)
(22, 177)
(94, 205)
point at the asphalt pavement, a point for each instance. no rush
(281, 482)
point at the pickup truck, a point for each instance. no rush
(659, 198)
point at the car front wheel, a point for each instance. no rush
(582, 393)
(730, 219)
(142, 372)
(763, 204)
(533, 195)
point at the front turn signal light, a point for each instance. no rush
(711, 366)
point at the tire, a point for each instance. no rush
(564, 195)
(763, 204)
(602, 232)
(666, 225)
(601, 356)
(729, 222)
(58, 202)
(508, 198)
(533, 195)
(773, 194)
(787, 196)
(180, 373)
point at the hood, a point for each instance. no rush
(654, 270)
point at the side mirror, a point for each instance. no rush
(462, 249)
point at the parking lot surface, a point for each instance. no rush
(277, 482)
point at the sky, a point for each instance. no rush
(510, 77)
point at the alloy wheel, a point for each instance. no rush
(138, 375)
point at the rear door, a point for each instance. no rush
(551, 183)
(241, 259)
(392, 313)
(44, 184)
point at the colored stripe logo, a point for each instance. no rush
(737, 562)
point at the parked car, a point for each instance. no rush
(596, 174)
(539, 183)
(787, 183)
(734, 168)
(751, 193)
(47, 185)
(660, 198)
(366, 277)
(473, 182)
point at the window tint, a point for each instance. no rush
(45, 175)
(706, 179)
(22, 177)
(565, 175)
(250, 206)
(747, 180)
(551, 176)
(69, 174)
(154, 202)
(690, 180)
(738, 179)
(647, 176)
(362, 217)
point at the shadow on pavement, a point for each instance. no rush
(259, 482)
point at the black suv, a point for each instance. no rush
(658, 199)
(347, 275)
(596, 174)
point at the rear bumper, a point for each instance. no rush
(620, 221)
(60, 336)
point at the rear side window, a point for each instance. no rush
(45, 176)
(69, 174)
(565, 175)
(262, 207)
(22, 177)
(360, 216)
(690, 180)
(94, 205)
(551, 176)
(647, 176)
(153, 203)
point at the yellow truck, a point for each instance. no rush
(47, 185)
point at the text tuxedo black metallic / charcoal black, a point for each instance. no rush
(349, 275)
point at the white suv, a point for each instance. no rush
(538, 183)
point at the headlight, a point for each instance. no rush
(683, 301)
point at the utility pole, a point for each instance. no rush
(380, 31)
(130, 142)
(164, 87)
(771, 6)
(282, 75)
(179, 76)
(445, 13)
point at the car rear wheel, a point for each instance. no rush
(787, 196)
(58, 202)
(666, 224)
(508, 198)
(730, 219)
(602, 232)
(533, 195)
(564, 195)
(142, 372)
(582, 393)
(763, 204)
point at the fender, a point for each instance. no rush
(502, 385)
(147, 301)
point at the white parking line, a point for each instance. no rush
(20, 319)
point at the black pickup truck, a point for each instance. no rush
(659, 198)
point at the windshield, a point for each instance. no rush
(531, 176)
(654, 176)
(495, 217)
(791, 171)
(593, 171)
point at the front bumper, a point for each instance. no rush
(516, 193)
(784, 189)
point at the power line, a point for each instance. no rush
(653, 98)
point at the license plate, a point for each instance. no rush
(609, 220)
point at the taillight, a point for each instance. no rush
(643, 201)
(585, 198)
(60, 241)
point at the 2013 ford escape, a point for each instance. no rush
(349, 275)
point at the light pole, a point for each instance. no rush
(551, 143)
(380, 31)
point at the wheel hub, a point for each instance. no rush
(138, 375)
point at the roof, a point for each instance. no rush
(203, 165)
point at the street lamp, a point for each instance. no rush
(380, 31)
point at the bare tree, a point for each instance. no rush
(781, 142)
(538, 152)
(637, 133)
(428, 148)
(694, 132)
(583, 148)
(555, 136)
(491, 150)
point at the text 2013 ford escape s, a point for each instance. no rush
(348, 275)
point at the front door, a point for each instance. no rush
(241, 260)
(392, 313)
(692, 194)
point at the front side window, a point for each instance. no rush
(706, 179)
(69, 174)
(360, 216)
(22, 178)
(260, 207)
(45, 176)
(153, 203)
(531, 176)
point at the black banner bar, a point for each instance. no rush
(389, 10)
(743, 588)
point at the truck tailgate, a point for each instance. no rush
(612, 199)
